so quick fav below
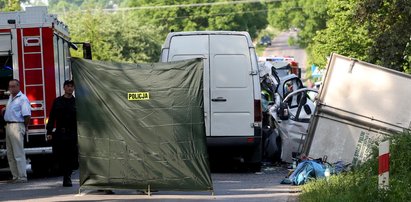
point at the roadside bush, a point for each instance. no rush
(361, 184)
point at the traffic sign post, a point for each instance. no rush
(384, 165)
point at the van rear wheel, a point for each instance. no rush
(254, 167)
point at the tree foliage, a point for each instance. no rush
(9, 5)
(136, 34)
(376, 31)
(308, 16)
(249, 17)
(343, 35)
(115, 36)
(387, 22)
(67, 5)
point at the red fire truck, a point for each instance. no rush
(34, 48)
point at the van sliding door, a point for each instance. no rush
(196, 46)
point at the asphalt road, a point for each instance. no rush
(228, 186)
(279, 47)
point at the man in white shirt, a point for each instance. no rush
(17, 116)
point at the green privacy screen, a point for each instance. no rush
(141, 125)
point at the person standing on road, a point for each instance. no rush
(64, 139)
(17, 115)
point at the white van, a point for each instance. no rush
(232, 106)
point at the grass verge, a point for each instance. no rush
(361, 184)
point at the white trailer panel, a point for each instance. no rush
(358, 103)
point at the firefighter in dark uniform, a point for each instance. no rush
(64, 138)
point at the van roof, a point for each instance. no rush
(173, 34)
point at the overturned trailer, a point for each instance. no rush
(357, 105)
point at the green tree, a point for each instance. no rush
(407, 69)
(136, 34)
(115, 36)
(343, 34)
(309, 16)
(9, 5)
(376, 31)
(242, 17)
(387, 22)
(65, 5)
(52, 3)
(249, 17)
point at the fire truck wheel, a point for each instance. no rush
(41, 166)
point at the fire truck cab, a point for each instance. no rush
(34, 48)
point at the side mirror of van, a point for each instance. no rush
(87, 51)
(283, 112)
